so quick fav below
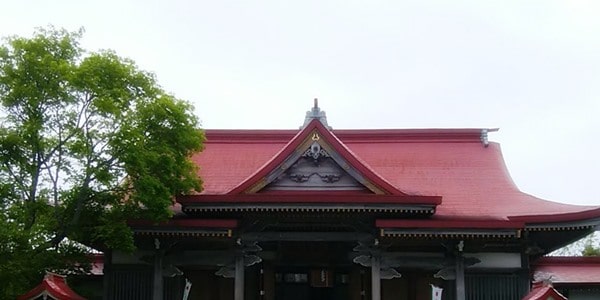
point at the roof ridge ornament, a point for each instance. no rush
(316, 113)
(484, 136)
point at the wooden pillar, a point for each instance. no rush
(238, 292)
(525, 280)
(375, 278)
(157, 279)
(107, 275)
(269, 282)
(460, 277)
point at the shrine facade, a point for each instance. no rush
(317, 213)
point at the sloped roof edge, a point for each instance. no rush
(592, 212)
(335, 143)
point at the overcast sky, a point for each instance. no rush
(531, 68)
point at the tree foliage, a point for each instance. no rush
(591, 245)
(87, 141)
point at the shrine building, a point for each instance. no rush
(317, 213)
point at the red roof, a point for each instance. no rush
(544, 292)
(54, 286)
(570, 270)
(472, 179)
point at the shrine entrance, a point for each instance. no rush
(314, 271)
(313, 284)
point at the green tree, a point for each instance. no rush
(591, 246)
(87, 141)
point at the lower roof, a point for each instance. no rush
(569, 270)
(546, 292)
(53, 286)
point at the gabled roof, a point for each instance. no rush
(544, 292)
(314, 131)
(456, 177)
(240, 178)
(53, 286)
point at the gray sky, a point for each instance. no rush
(531, 68)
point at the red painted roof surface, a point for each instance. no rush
(452, 163)
(54, 286)
(570, 270)
(544, 293)
(225, 164)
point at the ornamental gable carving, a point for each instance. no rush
(315, 170)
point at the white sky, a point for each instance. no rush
(531, 68)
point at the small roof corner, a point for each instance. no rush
(541, 291)
(53, 286)
(316, 113)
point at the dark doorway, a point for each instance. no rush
(311, 284)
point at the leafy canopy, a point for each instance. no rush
(87, 141)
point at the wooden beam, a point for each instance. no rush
(208, 258)
(306, 236)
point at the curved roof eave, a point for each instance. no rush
(589, 217)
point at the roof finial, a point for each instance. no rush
(316, 113)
